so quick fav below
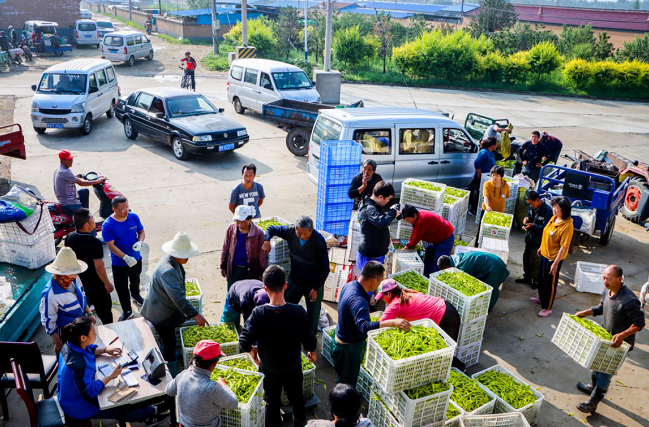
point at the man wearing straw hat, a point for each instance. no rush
(166, 305)
(63, 298)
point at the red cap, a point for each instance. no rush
(66, 155)
(208, 349)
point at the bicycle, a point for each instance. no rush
(185, 82)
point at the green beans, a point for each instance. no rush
(191, 289)
(497, 218)
(455, 192)
(243, 362)
(467, 394)
(517, 395)
(465, 283)
(399, 344)
(331, 332)
(451, 412)
(375, 318)
(427, 390)
(265, 223)
(593, 327)
(412, 280)
(461, 243)
(221, 333)
(507, 164)
(450, 200)
(241, 384)
(306, 364)
(424, 185)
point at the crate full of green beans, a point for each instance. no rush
(411, 279)
(514, 419)
(223, 333)
(419, 406)
(462, 195)
(364, 384)
(379, 413)
(243, 361)
(469, 354)
(248, 387)
(399, 360)
(469, 396)
(471, 332)
(402, 261)
(452, 209)
(194, 294)
(308, 380)
(423, 194)
(588, 344)
(328, 334)
(453, 413)
(496, 225)
(512, 393)
(510, 202)
(468, 295)
(278, 247)
(404, 230)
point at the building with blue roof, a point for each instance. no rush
(227, 15)
(431, 12)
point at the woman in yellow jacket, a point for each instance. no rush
(495, 192)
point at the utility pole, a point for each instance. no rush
(306, 26)
(215, 29)
(327, 55)
(130, 10)
(244, 23)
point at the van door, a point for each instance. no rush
(93, 100)
(378, 146)
(130, 48)
(104, 92)
(112, 91)
(249, 90)
(146, 46)
(456, 161)
(417, 156)
(138, 47)
(267, 91)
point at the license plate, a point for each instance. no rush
(112, 50)
(55, 125)
(226, 147)
(87, 36)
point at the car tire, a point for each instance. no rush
(632, 199)
(86, 127)
(297, 141)
(149, 57)
(40, 131)
(607, 235)
(128, 129)
(131, 61)
(179, 150)
(58, 53)
(238, 108)
(111, 111)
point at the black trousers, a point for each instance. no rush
(168, 338)
(474, 188)
(531, 263)
(291, 382)
(127, 283)
(450, 323)
(98, 297)
(192, 76)
(547, 283)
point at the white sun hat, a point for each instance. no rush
(66, 263)
(181, 247)
(242, 212)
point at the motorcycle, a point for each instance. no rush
(149, 27)
(63, 224)
(29, 55)
(16, 55)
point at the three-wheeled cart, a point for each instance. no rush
(46, 46)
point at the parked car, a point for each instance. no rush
(86, 33)
(85, 14)
(126, 46)
(185, 120)
(404, 142)
(255, 82)
(72, 94)
(105, 27)
(40, 27)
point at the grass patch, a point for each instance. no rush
(216, 62)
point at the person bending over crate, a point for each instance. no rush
(243, 297)
(623, 318)
(431, 228)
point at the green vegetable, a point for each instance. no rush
(399, 344)
(497, 218)
(449, 200)
(517, 395)
(191, 289)
(221, 333)
(593, 327)
(463, 282)
(331, 332)
(507, 164)
(456, 192)
(265, 223)
(451, 412)
(375, 318)
(241, 363)
(412, 280)
(424, 185)
(461, 243)
(467, 394)
(306, 364)
(427, 390)
(243, 385)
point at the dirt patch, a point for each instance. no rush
(6, 118)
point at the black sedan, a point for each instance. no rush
(185, 120)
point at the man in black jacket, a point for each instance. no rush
(362, 185)
(537, 218)
(309, 264)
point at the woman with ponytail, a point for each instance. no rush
(345, 403)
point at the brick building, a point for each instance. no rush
(16, 12)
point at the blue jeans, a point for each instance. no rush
(230, 314)
(84, 198)
(136, 416)
(603, 380)
(433, 252)
(361, 260)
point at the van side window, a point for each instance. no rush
(145, 39)
(138, 39)
(101, 78)
(417, 141)
(456, 141)
(251, 76)
(375, 141)
(93, 81)
(129, 41)
(110, 73)
(236, 73)
(264, 81)
(144, 101)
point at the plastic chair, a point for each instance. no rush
(44, 413)
(40, 369)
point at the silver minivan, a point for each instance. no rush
(86, 33)
(126, 46)
(404, 142)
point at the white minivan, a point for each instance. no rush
(255, 82)
(126, 46)
(86, 33)
(72, 94)
(404, 142)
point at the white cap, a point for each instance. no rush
(242, 212)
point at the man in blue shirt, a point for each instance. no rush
(533, 155)
(482, 164)
(354, 323)
(248, 192)
(123, 233)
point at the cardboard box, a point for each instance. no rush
(339, 272)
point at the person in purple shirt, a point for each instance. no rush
(65, 185)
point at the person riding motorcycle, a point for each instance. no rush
(190, 68)
(65, 185)
(148, 24)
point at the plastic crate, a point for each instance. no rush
(365, 384)
(470, 354)
(421, 197)
(587, 349)
(416, 412)
(514, 419)
(379, 414)
(470, 308)
(29, 256)
(404, 230)
(510, 203)
(308, 384)
(486, 409)
(588, 277)
(461, 224)
(495, 231)
(238, 356)
(249, 414)
(286, 265)
(497, 247)
(455, 421)
(39, 224)
(393, 275)
(353, 237)
(327, 344)
(228, 348)
(471, 332)
(402, 261)
(340, 153)
(464, 200)
(452, 213)
(337, 175)
(334, 217)
(531, 411)
(279, 251)
(398, 375)
(197, 300)
(333, 193)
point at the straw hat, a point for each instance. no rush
(181, 247)
(66, 263)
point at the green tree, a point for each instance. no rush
(316, 37)
(260, 35)
(398, 33)
(287, 30)
(572, 36)
(351, 47)
(544, 58)
(638, 48)
(602, 49)
(416, 27)
(492, 16)
(345, 21)
(522, 37)
(384, 36)
(636, 4)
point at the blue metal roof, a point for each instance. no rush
(402, 7)
(199, 12)
(363, 11)
(458, 7)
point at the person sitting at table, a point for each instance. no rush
(200, 400)
(78, 386)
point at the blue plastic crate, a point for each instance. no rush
(340, 153)
(333, 193)
(337, 175)
(334, 211)
(340, 228)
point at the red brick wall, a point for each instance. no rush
(16, 12)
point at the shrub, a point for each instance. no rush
(638, 48)
(351, 47)
(578, 72)
(260, 35)
(604, 73)
(544, 58)
(583, 51)
(216, 63)
(492, 67)
(517, 68)
(628, 73)
(305, 65)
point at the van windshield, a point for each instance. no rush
(49, 29)
(326, 130)
(104, 24)
(292, 80)
(87, 27)
(114, 41)
(63, 84)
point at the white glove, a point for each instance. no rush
(137, 246)
(129, 260)
(643, 294)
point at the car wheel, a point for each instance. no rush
(131, 61)
(607, 235)
(87, 125)
(179, 149)
(297, 141)
(58, 53)
(150, 56)
(128, 129)
(40, 131)
(238, 107)
(111, 111)
(632, 199)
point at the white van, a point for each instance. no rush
(86, 33)
(255, 82)
(72, 94)
(126, 46)
(404, 142)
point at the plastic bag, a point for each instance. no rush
(17, 204)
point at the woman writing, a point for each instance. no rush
(482, 164)
(495, 192)
(345, 403)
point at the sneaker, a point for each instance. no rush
(157, 420)
(522, 280)
(545, 313)
(138, 300)
(125, 316)
(535, 300)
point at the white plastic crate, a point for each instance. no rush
(353, 237)
(470, 308)
(196, 300)
(588, 277)
(495, 231)
(486, 409)
(286, 265)
(379, 414)
(308, 384)
(464, 200)
(407, 261)
(38, 225)
(421, 197)
(327, 344)
(530, 411)
(398, 375)
(228, 348)
(510, 202)
(376, 314)
(514, 419)
(497, 247)
(471, 332)
(404, 230)
(365, 384)
(461, 225)
(452, 212)
(587, 349)
(279, 251)
(29, 256)
(393, 275)
(455, 421)
(249, 414)
(247, 356)
(470, 354)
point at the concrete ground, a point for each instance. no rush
(192, 196)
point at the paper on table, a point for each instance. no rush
(122, 393)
